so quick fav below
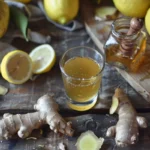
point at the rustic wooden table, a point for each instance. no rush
(21, 98)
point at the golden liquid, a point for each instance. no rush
(114, 56)
(76, 88)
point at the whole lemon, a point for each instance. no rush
(147, 21)
(4, 17)
(22, 1)
(61, 11)
(132, 8)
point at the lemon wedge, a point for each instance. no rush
(16, 67)
(43, 58)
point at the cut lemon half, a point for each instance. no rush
(16, 67)
(43, 58)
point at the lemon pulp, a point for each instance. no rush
(43, 58)
(16, 67)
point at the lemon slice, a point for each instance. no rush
(16, 67)
(43, 58)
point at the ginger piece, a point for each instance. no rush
(106, 13)
(126, 130)
(89, 141)
(3, 90)
(114, 106)
(61, 146)
(23, 124)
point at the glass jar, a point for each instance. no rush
(125, 47)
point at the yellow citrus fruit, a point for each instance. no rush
(4, 17)
(147, 21)
(61, 11)
(43, 58)
(16, 67)
(132, 8)
(22, 1)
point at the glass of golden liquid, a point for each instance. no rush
(81, 69)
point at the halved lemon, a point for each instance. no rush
(43, 58)
(16, 67)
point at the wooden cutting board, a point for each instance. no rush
(99, 32)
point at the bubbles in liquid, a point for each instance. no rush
(83, 80)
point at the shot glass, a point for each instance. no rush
(81, 69)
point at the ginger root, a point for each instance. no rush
(126, 130)
(3, 90)
(23, 124)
